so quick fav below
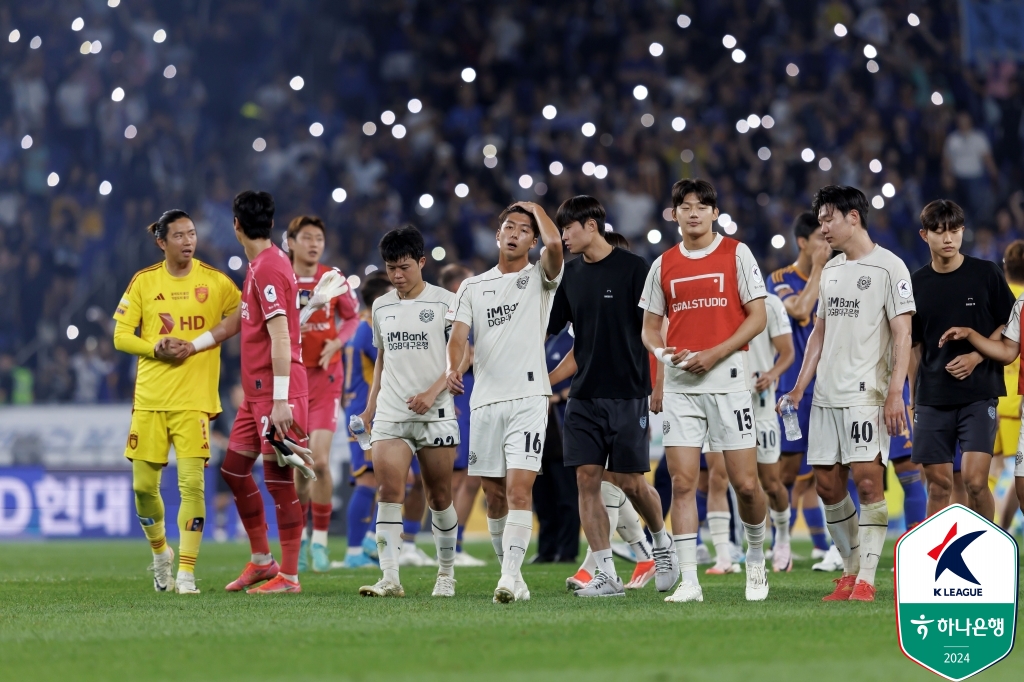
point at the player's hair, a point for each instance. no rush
(704, 190)
(406, 241)
(296, 225)
(941, 215)
(805, 224)
(1013, 261)
(374, 286)
(255, 213)
(842, 199)
(452, 272)
(616, 239)
(580, 209)
(160, 227)
(519, 209)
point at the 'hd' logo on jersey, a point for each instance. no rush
(956, 593)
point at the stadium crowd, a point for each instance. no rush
(395, 111)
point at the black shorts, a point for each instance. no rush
(938, 430)
(609, 432)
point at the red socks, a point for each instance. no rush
(281, 487)
(237, 472)
(321, 516)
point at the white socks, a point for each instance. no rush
(613, 497)
(389, 538)
(320, 537)
(496, 527)
(780, 519)
(262, 559)
(841, 520)
(755, 542)
(515, 540)
(874, 522)
(686, 550)
(445, 526)
(662, 540)
(632, 531)
(589, 563)
(606, 562)
(719, 523)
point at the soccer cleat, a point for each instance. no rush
(863, 591)
(370, 546)
(445, 586)
(642, 574)
(304, 555)
(467, 560)
(505, 592)
(382, 588)
(833, 561)
(703, 555)
(844, 588)
(521, 590)
(276, 585)
(686, 591)
(782, 559)
(411, 555)
(162, 566)
(623, 551)
(578, 581)
(818, 554)
(757, 581)
(737, 553)
(666, 568)
(722, 569)
(253, 573)
(185, 583)
(321, 560)
(355, 561)
(603, 585)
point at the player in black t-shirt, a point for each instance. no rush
(956, 389)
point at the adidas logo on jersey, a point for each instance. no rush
(159, 297)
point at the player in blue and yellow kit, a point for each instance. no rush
(360, 356)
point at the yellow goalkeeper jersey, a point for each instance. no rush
(182, 307)
(1009, 405)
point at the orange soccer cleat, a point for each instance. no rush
(642, 574)
(578, 581)
(863, 591)
(253, 573)
(277, 585)
(844, 588)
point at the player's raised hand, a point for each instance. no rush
(281, 416)
(453, 378)
(530, 206)
(954, 334)
(421, 402)
(895, 414)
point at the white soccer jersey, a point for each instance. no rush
(413, 335)
(857, 299)
(509, 318)
(761, 356)
(1012, 329)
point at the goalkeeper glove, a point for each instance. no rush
(331, 285)
(290, 453)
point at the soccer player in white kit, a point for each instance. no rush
(770, 354)
(412, 411)
(861, 342)
(508, 308)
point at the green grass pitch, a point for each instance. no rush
(87, 611)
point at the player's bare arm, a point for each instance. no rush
(281, 359)
(658, 393)
(421, 402)
(654, 339)
(916, 353)
(703, 361)
(551, 259)
(895, 409)
(371, 398)
(800, 306)
(346, 397)
(456, 349)
(785, 354)
(564, 370)
(809, 368)
(996, 347)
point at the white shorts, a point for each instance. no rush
(841, 435)
(418, 435)
(769, 446)
(507, 435)
(1018, 467)
(718, 422)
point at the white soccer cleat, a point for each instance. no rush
(833, 561)
(723, 569)
(757, 581)
(505, 592)
(411, 555)
(522, 592)
(686, 591)
(703, 555)
(782, 559)
(467, 560)
(185, 583)
(445, 586)
(818, 554)
(162, 567)
(331, 285)
(382, 588)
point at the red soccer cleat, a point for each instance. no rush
(277, 585)
(844, 588)
(863, 591)
(578, 581)
(642, 574)
(253, 573)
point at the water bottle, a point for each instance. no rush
(790, 420)
(358, 429)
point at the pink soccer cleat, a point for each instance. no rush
(253, 573)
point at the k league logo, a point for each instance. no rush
(956, 593)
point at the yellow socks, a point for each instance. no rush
(148, 504)
(192, 513)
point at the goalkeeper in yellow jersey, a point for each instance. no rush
(174, 398)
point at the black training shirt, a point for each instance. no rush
(974, 295)
(600, 300)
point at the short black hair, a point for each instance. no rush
(159, 228)
(580, 209)
(519, 209)
(941, 215)
(255, 213)
(616, 240)
(402, 242)
(842, 199)
(805, 224)
(374, 286)
(704, 190)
